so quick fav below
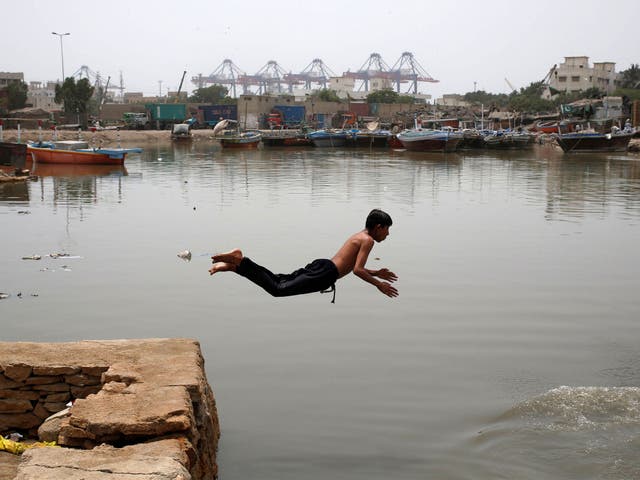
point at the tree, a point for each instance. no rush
(215, 95)
(16, 95)
(73, 96)
(387, 95)
(631, 77)
(326, 95)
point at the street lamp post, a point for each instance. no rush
(61, 50)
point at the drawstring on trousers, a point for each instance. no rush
(332, 288)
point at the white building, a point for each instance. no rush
(42, 95)
(575, 75)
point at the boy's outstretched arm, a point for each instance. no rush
(369, 275)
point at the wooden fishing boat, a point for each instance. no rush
(427, 140)
(508, 140)
(77, 152)
(328, 138)
(595, 142)
(240, 140)
(285, 138)
(13, 154)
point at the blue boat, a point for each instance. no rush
(328, 138)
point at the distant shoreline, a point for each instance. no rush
(107, 137)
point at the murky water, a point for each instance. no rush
(512, 351)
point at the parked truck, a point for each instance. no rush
(136, 121)
(286, 116)
(209, 115)
(163, 115)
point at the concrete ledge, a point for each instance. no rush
(142, 403)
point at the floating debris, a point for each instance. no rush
(32, 257)
(4, 295)
(24, 212)
(58, 255)
(185, 255)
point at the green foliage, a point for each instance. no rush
(16, 95)
(214, 95)
(74, 96)
(387, 95)
(630, 93)
(326, 95)
(481, 97)
(631, 77)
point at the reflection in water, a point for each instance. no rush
(500, 302)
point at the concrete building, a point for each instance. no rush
(42, 95)
(9, 77)
(575, 75)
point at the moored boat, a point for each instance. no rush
(77, 152)
(368, 138)
(285, 138)
(508, 140)
(240, 140)
(13, 154)
(426, 140)
(585, 141)
(328, 138)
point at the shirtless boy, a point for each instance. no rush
(320, 274)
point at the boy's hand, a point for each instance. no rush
(388, 289)
(386, 274)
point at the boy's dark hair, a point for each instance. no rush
(378, 217)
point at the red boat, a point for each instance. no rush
(77, 153)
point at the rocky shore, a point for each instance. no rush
(139, 407)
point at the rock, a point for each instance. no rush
(143, 462)
(18, 373)
(18, 421)
(12, 405)
(50, 428)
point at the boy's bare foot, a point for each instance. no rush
(222, 267)
(233, 257)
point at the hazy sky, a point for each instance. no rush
(457, 42)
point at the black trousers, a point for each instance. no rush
(319, 275)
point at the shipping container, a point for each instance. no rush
(293, 115)
(167, 112)
(211, 114)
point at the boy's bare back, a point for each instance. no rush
(358, 244)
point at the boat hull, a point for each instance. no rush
(437, 144)
(13, 154)
(239, 143)
(75, 157)
(369, 140)
(574, 143)
(328, 139)
(510, 141)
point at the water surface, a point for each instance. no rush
(511, 351)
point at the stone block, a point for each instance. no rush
(94, 371)
(20, 394)
(103, 463)
(51, 370)
(142, 411)
(58, 397)
(12, 405)
(18, 421)
(52, 387)
(82, 380)
(8, 383)
(18, 373)
(84, 392)
(43, 380)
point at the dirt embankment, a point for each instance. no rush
(105, 137)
